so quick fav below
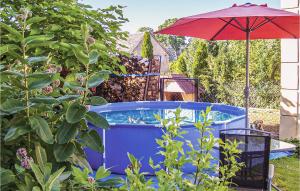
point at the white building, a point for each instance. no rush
(134, 47)
(290, 80)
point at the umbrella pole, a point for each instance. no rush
(247, 73)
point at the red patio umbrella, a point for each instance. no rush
(243, 22)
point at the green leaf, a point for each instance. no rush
(75, 112)
(6, 176)
(16, 34)
(80, 55)
(28, 183)
(93, 57)
(11, 73)
(40, 155)
(44, 100)
(102, 173)
(80, 161)
(35, 20)
(7, 48)
(67, 132)
(40, 44)
(95, 80)
(63, 152)
(15, 132)
(36, 188)
(97, 100)
(68, 98)
(97, 120)
(80, 176)
(53, 177)
(42, 128)
(37, 39)
(73, 85)
(55, 27)
(64, 176)
(37, 173)
(123, 69)
(5, 76)
(39, 81)
(32, 60)
(39, 75)
(111, 182)
(12, 106)
(93, 140)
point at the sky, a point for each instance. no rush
(152, 13)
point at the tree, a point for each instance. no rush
(180, 65)
(175, 42)
(147, 47)
(200, 64)
(146, 29)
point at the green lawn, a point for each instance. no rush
(287, 173)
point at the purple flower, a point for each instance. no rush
(56, 83)
(25, 162)
(47, 90)
(58, 69)
(22, 152)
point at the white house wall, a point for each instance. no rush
(157, 51)
(290, 81)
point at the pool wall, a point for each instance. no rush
(139, 140)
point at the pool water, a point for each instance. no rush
(147, 116)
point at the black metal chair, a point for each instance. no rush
(255, 151)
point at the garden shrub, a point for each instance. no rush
(48, 73)
(169, 173)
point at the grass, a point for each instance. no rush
(287, 173)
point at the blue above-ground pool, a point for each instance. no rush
(134, 129)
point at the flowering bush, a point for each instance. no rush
(46, 76)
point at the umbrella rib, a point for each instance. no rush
(271, 21)
(262, 23)
(221, 29)
(253, 23)
(231, 23)
(241, 26)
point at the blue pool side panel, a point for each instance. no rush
(140, 140)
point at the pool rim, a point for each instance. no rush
(123, 106)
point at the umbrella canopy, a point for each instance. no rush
(232, 24)
(243, 22)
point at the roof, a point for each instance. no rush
(134, 40)
(185, 86)
(131, 43)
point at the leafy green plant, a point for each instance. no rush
(32, 175)
(83, 180)
(169, 172)
(42, 100)
(135, 180)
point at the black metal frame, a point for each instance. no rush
(162, 85)
(247, 155)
